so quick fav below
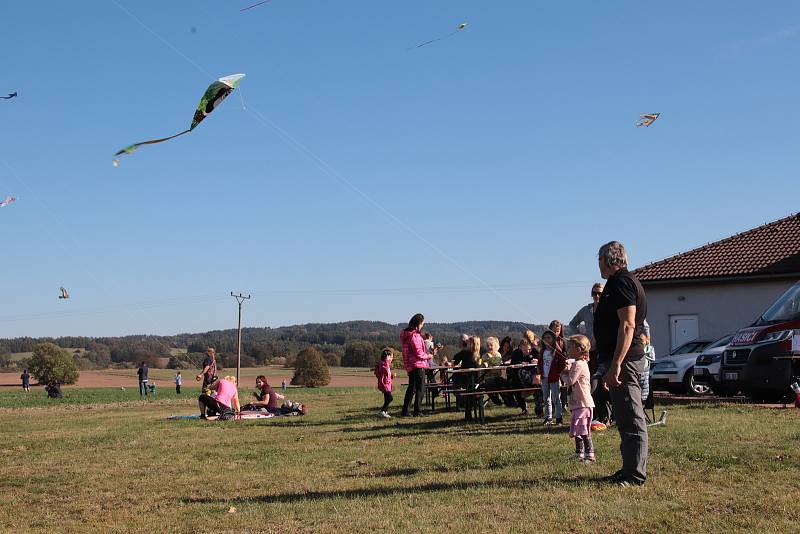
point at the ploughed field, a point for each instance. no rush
(101, 460)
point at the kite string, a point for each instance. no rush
(241, 98)
(167, 43)
(328, 169)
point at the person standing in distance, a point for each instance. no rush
(142, 373)
(618, 325)
(26, 381)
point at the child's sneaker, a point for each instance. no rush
(580, 456)
(547, 422)
(384, 415)
(559, 422)
(590, 459)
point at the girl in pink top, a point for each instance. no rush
(224, 399)
(576, 374)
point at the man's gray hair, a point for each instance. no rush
(613, 253)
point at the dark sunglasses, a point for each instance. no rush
(597, 293)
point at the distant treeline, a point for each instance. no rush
(352, 343)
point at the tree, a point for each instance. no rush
(99, 355)
(311, 369)
(359, 354)
(332, 359)
(51, 362)
(229, 360)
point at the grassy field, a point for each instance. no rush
(99, 461)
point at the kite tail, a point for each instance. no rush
(130, 149)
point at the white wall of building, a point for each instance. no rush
(722, 308)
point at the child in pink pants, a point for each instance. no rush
(577, 375)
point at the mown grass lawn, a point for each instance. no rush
(101, 462)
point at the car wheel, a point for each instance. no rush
(691, 387)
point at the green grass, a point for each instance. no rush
(103, 461)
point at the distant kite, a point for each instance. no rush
(64, 294)
(7, 201)
(10, 96)
(647, 119)
(254, 5)
(458, 29)
(213, 97)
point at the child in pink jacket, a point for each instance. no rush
(384, 374)
(576, 374)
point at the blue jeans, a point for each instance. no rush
(143, 387)
(551, 391)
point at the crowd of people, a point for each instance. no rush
(598, 372)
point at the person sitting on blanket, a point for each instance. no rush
(223, 400)
(266, 398)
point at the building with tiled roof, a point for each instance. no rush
(720, 287)
(767, 251)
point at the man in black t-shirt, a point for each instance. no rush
(618, 323)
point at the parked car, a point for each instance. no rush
(708, 364)
(759, 360)
(673, 373)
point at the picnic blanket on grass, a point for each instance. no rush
(240, 416)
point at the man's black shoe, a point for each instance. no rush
(615, 478)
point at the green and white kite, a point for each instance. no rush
(213, 97)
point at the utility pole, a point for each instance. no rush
(240, 299)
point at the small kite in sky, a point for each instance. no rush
(458, 29)
(254, 5)
(10, 96)
(7, 201)
(64, 294)
(213, 97)
(647, 119)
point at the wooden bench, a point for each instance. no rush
(481, 392)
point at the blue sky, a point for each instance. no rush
(356, 176)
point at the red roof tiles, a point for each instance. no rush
(771, 249)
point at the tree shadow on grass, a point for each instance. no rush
(387, 491)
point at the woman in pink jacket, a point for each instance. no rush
(415, 361)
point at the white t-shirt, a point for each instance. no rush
(547, 356)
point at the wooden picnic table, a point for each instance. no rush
(473, 375)
(433, 386)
